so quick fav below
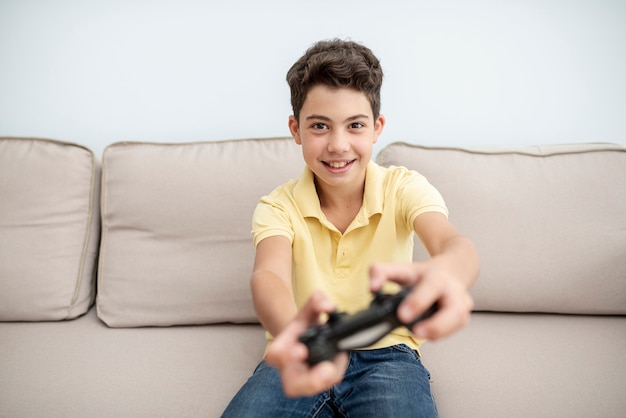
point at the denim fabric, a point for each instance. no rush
(388, 382)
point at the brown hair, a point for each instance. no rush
(336, 63)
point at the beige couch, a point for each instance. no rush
(165, 230)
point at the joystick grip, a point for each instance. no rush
(343, 332)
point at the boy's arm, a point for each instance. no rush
(275, 306)
(446, 244)
(445, 278)
(272, 292)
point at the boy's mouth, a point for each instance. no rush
(338, 164)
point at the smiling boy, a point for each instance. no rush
(345, 228)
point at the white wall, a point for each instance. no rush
(508, 72)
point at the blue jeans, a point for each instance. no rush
(388, 382)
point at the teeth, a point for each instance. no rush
(337, 164)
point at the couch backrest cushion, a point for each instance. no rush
(549, 222)
(176, 242)
(49, 229)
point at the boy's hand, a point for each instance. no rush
(432, 283)
(289, 355)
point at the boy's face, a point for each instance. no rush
(337, 132)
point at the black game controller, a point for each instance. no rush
(343, 332)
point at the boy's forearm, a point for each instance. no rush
(460, 256)
(273, 301)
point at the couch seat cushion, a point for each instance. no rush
(531, 365)
(82, 368)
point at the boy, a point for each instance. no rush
(342, 230)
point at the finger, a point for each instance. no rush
(404, 274)
(441, 325)
(317, 304)
(300, 380)
(286, 347)
(421, 298)
(452, 316)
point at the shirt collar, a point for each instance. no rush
(306, 197)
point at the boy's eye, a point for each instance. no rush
(319, 126)
(357, 125)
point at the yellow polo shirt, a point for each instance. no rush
(336, 263)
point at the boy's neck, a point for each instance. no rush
(340, 198)
(341, 205)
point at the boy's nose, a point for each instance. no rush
(338, 142)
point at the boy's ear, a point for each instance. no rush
(379, 124)
(294, 128)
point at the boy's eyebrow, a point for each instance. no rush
(326, 118)
(360, 116)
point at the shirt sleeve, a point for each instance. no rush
(270, 219)
(416, 196)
